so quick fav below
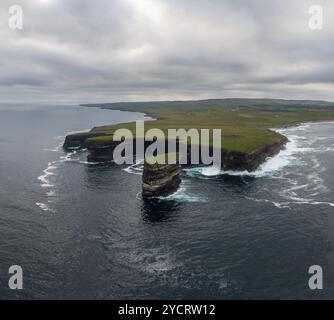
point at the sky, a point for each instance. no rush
(86, 51)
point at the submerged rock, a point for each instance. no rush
(160, 180)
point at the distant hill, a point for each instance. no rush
(261, 104)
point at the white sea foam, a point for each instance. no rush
(136, 168)
(51, 193)
(298, 144)
(316, 203)
(276, 204)
(55, 149)
(89, 163)
(273, 165)
(203, 172)
(182, 195)
(78, 161)
(45, 177)
(162, 264)
(43, 206)
(68, 156)
(303, 187)
(294, 200)
(49, 172)
(153, 261)
(313, 202)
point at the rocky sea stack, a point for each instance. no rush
(160, 180)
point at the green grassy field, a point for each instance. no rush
(244, 122)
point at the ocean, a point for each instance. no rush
(81, 230)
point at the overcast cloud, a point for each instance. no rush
(73, 51)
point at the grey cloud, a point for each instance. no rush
(116, 50)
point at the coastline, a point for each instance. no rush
(162, 181)
(232, 160)
(101, 150)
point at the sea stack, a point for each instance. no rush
(160, 180)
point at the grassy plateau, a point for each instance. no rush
(245, 123)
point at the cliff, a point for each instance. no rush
(160, 180)
(101, 150)
(241, 161)
(78, 140)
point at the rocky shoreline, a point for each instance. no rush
(240, 161)
(79, 140)
(102, 151)
(163, 180)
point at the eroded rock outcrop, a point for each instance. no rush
(78, 140)
(101, 150)
(241, 161)
(160, 180)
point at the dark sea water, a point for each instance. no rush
(82, 231)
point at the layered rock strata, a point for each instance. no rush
(102, 151)
(160, 180)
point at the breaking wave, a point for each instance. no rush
(47, 177)
(301, 148)
(47, 173)
(43, 206)
(298, 165)
(182, 195)
(296, 145)
(136, 168)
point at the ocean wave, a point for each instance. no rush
(55, 149)
(43, 206)
(317, 203)
(182, 195)
(297, 144)
(312, 202)
(152, 261)
(89, 163)
(293, 200)
(51, 193)
(280, 205)
(68, 157)
(203, 172)
(288, 156)
(49, 172)
(44, 178)
(298, 164)
(136, 168)
(78, 161)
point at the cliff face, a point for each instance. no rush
(163, 180)
(102, 151)
(160, 180)
(238, 161)
(78, 140)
